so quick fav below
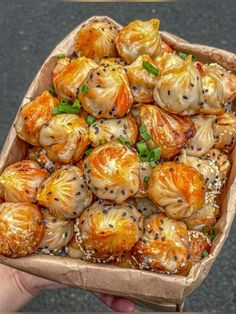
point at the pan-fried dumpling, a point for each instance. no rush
(112, 172)
(179, 88)
(105, 93)
(96, 40)
(164, 245)
(139, 38)
(39, 154)
(65, 193)
(178, 189)
(21, 229)
(57, 233)
(166, 60)
(227, 79)
(20, 181)
(65, 137)
(168, 131)
(105, 230)
(141, 81)
(146, 206)
(203, 140)
(33, 116)
(102, 131)
(145, 172)
(68, 79)
(224, 130)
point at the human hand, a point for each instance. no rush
(22, 287)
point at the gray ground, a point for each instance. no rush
(30, 29)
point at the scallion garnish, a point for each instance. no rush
(88, 151)
(143, 133)
(155, 154)
(52, 91)
(213, 233)
(60, 56)
(90, 120)
(150, 68)
(152, 164)
(205, 254)
(146, 179)
(142, 148)
(85, 89)
(123, 140)
(182, 55)
(65, 107)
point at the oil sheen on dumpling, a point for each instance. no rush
(106, 130)
(33, 116)
(168, 131)
(96, 40)
(65, 137)
(141, 81)
(139, 38)
(203, 140)
(107, 93)
(68, 79)
(39, 154)
(105, 230)
(179, 190)
(224, 130)
(179, 88)
(65, 193)
(20, 181)
(166, 60)
(164, 245)
(112, 172)
(57, 234)
(21, 229)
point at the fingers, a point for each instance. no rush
(117, 304)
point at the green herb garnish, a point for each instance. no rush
(182, 55)
(205, 254)
(143, 132)
(142, 148)
(146, 179)
(155, 154)
(152, 164)
(65, 107)
(85, 89)
(52, 91)
(88, 151)
(123, 140)
(90, 120)
(60, 56)
(150, 68)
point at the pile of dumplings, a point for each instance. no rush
(128, 154)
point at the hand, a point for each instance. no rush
(22, 287)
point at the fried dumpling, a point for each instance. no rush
(164, 245)
(102, 131)
(179, 88)
(105, 230)
(139, 38)
(65, 193)
(168, 131)
(145, 172)
(65, 137)
(141, 81)
(96, 40)
(224, 130)
(33, 116)
(39, 154)
(112, 172)
(203, 140)
(21, 229)
(20, 181)
(178, 189)
(57, 234)
(166, 60)
(67, 80)
(146, 206)
(227, 79)
(105, 93)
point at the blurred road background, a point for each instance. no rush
(29, 29)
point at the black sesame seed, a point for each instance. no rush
(191, 84)
(105, 211)
(163, 238)
(124, 214)
(123, 192)
(169, 92)
(161, 228)
(56, 199)
(185, 97)
(78, 193)
(49, 193)
(156, 236)
(110, 225)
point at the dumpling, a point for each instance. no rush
(164, 245)
(21, 229)
(112, 172)
(178, 189)
(199, 246)
(96, 40)
(105, 231)
(67, 81)
(165, 47)
(168, 131)
(227, 79)
(105, 93)
(113, 61)
(146, 206)
(102, 131)
(65, 137)
(33, 116)
(20, 181)
(203, 140)
(139, 38)
(57, 234)
(179, 88)
(39, 154)
(145, 172)
(205, 216)
(65, 193)
(166, 60)
(224, 130)
(141, 81)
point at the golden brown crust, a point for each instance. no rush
(166, 60)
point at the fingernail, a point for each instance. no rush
(123, 305)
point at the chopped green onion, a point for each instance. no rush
(142, 148)
(65, 107)
(205, 254)
(205, 229)
(144, 157)
(123, 140)
(103, 141)
(146, 136)
(90, 120)
(52, 91)
(146, 179)
(152, 164)
(85, 89)
(142, 128)
(182, 55)
(150, 68)
(155, 154)
(88, 151)
(60, 56)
